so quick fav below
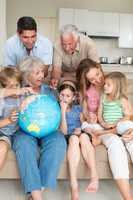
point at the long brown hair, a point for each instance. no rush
(84, 67)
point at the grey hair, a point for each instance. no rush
(69, 29)
(26, 66)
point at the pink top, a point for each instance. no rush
(93, 99)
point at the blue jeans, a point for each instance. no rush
(39, 173)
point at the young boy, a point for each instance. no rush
(10, 79)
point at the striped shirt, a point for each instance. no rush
(112, 110)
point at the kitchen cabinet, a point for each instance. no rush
(91, 22)
(81, 19)
(111, 24)
(95, 24)
(101, 23)
(126, 31)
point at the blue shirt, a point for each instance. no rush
(7, 105)
(45, 89)
(73, 118)
(15, 51)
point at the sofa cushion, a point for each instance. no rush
(10, 169)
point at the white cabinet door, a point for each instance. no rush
(95, 23)
(111, 24)
(103, 24)
(80, 19)
(66, 16)
(126, 31)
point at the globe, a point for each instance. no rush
(39, 115)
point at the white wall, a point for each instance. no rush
(2, 27)
(49, 8)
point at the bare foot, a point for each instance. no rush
(96, 141)
(93, 185)
(74, 194)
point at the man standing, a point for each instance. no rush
(71, 48)
(27, 43)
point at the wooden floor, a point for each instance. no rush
(12, 190)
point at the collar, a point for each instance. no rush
(78, 46)
(36, 43)
(25, 84)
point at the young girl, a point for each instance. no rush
(115, 111)
(10, 78)
(78, 142)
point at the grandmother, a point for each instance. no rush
(37, 174)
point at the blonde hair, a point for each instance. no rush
(9, 73)
(120, 84)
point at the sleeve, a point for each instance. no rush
(45, 89)
(81, 109)
(57, 58)
(78, 109)
(1, 106)
(9, 55)
(46, 52)
(92, 50)
(85, 125)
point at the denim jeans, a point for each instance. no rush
(39, 173)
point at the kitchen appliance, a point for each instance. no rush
(104, 60)
(124, 60)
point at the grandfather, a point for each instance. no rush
(27, 42)
(71, 48)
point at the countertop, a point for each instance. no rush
(127, 69)
(124, 68)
